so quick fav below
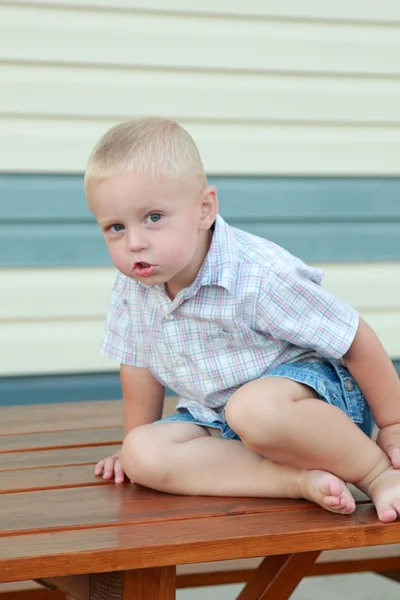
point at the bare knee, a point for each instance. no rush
(260, 411)
(142, 457)
(253, 411)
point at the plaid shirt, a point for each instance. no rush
(252, 307)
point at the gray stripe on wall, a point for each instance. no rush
(19, 391)
(49, 389)
(44, 220)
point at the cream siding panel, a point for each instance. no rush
(51, 320)
(41, 146)
(359, 10)
(246, 98)
(138, 39)
(48, 347)
(273, 95)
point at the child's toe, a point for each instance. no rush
(386, 512)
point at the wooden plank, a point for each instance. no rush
(36, 593)
(67, 416)
(61, 439)
(71, 456)
(194, 540)
(75, 587)
(49, 478)
(60, 417)
(125, 504)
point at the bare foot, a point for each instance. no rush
(384, 491)
(328, 491)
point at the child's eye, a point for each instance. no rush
(116, 228)
(154, 217)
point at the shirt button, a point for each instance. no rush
(169, 317)
(348, 384)
(180, 363)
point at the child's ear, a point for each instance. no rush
(209, 207)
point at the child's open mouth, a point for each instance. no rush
(144, 269)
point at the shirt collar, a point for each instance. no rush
(219, 265)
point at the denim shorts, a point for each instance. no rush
(332, 382)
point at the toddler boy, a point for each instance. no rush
(279, 381)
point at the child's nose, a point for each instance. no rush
(137, 241)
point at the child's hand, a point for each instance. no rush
(389, 440)
(111, 467)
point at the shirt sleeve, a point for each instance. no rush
(295, 308)
(119, 339)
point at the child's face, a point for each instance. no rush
(153, 228)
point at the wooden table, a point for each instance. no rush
(93, 539)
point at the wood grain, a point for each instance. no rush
(150, 584)
(146, 545)
(50, 478)
(77, 587)
(61, 439)
(372, 565)
(51, 458)
(100, 506)
(57, 519)
(39, 418)
(278, 576)
(30, 593)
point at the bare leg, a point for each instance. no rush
(280, 419)
(182, 458)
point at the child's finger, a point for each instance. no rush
(119, 472)
(108, 470)
(99, 467)
(394, 454)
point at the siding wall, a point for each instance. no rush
(300, 93)
(266, 87)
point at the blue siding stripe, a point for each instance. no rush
(82, 387)
(44, 219)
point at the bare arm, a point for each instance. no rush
(143, 403)
(375, 374)
(373, 370)
(143, 397)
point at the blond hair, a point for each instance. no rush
(153, 146)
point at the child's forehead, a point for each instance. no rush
(138, 191)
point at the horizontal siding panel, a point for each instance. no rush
(47, 347)
(115, 94)
(46, 294)
(184, 42)
(265, 88)
(44, 220)
(72, 346)
(38, 145)
(80, 244)
(42, 198)
(367, 10)
(52, 244)
(54, 294)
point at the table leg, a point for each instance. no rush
(150, 584)
(138, 584)
(278, 576)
